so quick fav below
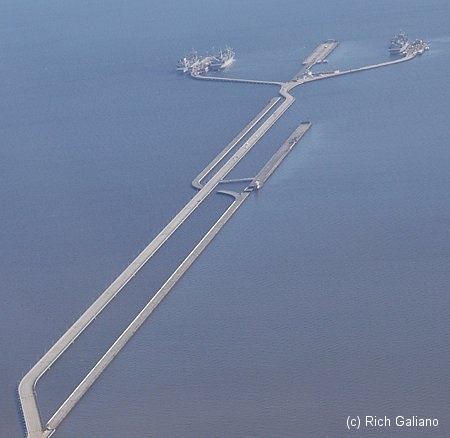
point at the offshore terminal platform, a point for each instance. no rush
(207, 183)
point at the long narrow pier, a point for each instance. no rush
(331, 74)
(236, 80)
(27, 386)
(134, 326)
(197, 181)
(265, 173)
(126, 335)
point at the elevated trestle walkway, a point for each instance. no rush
(237, 80)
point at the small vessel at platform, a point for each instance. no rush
(399, 44)
(223, 60)
(194, 64)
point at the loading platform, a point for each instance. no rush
(320, 53)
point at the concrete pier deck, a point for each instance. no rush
(270, 167)
(317, 56)
(320, 53)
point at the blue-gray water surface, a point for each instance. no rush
(326, 296)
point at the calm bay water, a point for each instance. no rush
(325, 296)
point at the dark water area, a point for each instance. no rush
(325, 296)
